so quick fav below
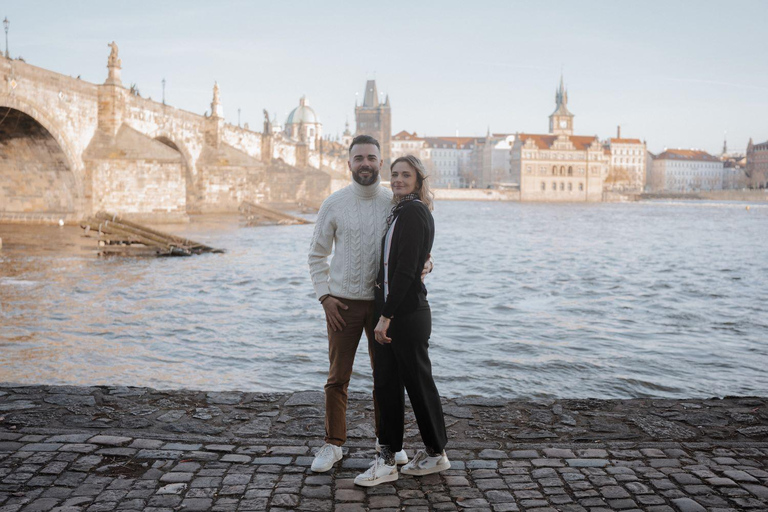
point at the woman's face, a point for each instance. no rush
(403, 180)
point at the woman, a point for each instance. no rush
(401, 359)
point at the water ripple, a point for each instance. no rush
(529, 300)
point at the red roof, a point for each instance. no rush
(404, 135)
(687, 154)
(459, 140)
(625, 141)
(580, 142)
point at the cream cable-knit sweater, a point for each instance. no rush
(354, 219)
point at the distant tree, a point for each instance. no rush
(618, 178)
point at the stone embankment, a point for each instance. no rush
(106, 448)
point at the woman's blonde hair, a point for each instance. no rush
(425, 194)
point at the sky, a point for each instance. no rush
(678, 74)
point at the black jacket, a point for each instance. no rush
(412, 240)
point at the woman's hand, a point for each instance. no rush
(380, 332)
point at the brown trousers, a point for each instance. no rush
(342, 346)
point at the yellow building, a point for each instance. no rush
(559, 166)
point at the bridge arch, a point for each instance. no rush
(191, 185)
(50, 160)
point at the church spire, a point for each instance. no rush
(561, 120)
(561, 96)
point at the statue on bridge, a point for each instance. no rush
(113, 59)
(113, 66)
(267, 123)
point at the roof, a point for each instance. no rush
(581, 142)
(460, 141)
(371, 98)
(624, 141)
(302, 114)
(404, 135)
(687, 154)
(437, 142)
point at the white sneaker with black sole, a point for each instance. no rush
(400, 457)
(422, 464)
(378, 473)
(326, 457)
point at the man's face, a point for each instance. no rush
(365, 163)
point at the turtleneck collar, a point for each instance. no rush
(366, 190)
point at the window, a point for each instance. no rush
(570, 187)
(581, 187)
(562, 186)
(554, 170)
(562, 170)
(570, 171)
(543, 186)
(554, 186)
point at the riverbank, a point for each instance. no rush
(101, 448)
(759, 196)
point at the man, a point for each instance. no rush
(354, 220)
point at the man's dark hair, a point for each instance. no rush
(364, 139)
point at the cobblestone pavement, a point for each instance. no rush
(106, 448)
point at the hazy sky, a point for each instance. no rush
(676, 73)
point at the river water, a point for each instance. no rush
(529, 301)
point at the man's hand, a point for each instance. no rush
(331, 306)
(428, 266)
(380, 332)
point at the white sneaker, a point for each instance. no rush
(423, 464)
(377, 474)
(400, 457)
(326, 457)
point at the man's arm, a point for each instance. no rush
(319, 250)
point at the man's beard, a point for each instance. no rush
(370, 180)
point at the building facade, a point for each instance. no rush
(686, 170)
(375, 119)
(440, 157)
(627, 169)
(559, 166)
(404, 143)
(757, 164)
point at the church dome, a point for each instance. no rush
(302, 114)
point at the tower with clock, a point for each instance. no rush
(561, 120)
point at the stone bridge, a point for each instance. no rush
(69, 148)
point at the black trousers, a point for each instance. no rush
(404, 364)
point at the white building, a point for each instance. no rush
(627, 167)
(442, 162)
(497, 165)
(404, 143)
(686, 170)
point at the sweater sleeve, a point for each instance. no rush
(320, 249)
(410, 233)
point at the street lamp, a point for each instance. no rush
(6, 24)
(163, 81)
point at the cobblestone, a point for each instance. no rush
(218, 466)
